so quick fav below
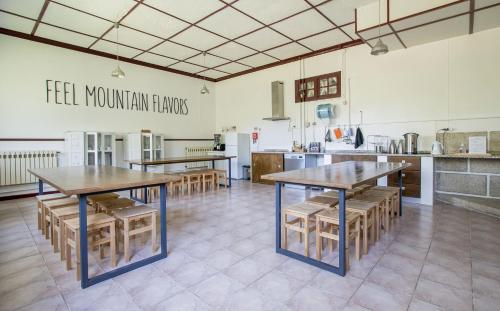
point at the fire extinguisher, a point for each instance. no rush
(255, 137)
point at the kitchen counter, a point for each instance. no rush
(468, 156)
(348, 152)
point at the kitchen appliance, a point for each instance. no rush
(401, 148)
(277, 102)
(294, 161)
(411, 143)
(325, 111)
(380, 143)
(218, 144)
(314, 147)
(437, 148)
(392, 147)
(238, 145)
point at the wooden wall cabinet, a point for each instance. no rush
(266, 163)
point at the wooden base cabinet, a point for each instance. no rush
(266, 163)
(411, 175)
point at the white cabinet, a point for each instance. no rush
(90, 148)
(144, 146)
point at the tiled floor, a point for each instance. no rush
(221, 257)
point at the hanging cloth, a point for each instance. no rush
(359, 138)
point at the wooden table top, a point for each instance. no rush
(175, 160)
(90, 179)
(343, 175)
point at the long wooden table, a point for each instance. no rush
(340, 176)
(179, 160)
(86, 180)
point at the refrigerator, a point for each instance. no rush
(238, 145)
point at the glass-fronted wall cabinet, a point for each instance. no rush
(90, 148)
(143, 146)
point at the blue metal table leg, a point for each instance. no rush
(163, 220)
(229, 171)
(84, 266)
(130, 192)
(400, 182)
(342, 237)
(277, 187)
(145, 168)
(213, 164)
(40, 187)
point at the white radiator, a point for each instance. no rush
(197, 152)
(14, 165)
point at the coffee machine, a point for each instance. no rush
(218, 143)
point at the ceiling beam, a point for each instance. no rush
(328, 19)
(118, 21)
(471, 16)
(29, 37)
(294, 58)
(40, 16)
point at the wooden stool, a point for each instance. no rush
(47, 206)
(389, 203)
(193, 180)
(95, 222)
(218, 175)
(94, 199)
(382, 210)
(208, 180)
(330, 217)
(109, 206)
(58, 216)
(323, 201)
(394, 191)
(137, 213)
(303, 213)
(42, 198)
(177, 186)
(367, 216)
(335, 194)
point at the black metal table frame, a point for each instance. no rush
(340, 270)
(145, 169)
(85, 280)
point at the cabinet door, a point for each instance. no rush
(265, 163)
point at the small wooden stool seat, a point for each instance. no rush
(220, 174)
(324, 201)
(208, 180)
(177, 187)
(327, 226)
(335, 194)
(47, 207)
(129, 216)
(95, 222)
(42, 198)
(303, 213)
(193, 180)
(58, 216)
(382, 213)
(109, 206)
(394, 191)
(367, 214)
(94, 199)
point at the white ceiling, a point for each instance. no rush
(238, 35)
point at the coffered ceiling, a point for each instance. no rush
(239, 36)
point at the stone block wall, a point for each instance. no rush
(469, 182)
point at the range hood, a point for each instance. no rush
(278, 102)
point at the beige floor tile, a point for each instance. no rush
(443, 295)
(217, 289)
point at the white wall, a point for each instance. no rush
(451, 83)
(24, 112)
